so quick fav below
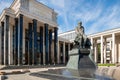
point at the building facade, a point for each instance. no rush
(105, 45)
(29, 34)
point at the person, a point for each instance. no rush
(81, 37)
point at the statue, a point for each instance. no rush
(81, 39)
(79, 55)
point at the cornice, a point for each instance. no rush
(105, 33)
(13, 3)
(45, 6)
(6, 11)
(32, 16)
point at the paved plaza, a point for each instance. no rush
(26, 76)
(111, 71)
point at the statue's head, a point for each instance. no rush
(80, 23)
(80, 26)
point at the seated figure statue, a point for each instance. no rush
(81, 39)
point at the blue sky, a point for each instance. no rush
(96, 15)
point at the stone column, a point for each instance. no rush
(34, 40)
(111, 51)
(95, 51)
(92, 48)
(105, 46)
(101, 49)
(64, 52)
(41, 44)
(11, 43)
(30, 44)
(58, 56)
(20, 42)
(50, 46)
(6, 41)
(2, 44)
(16, 42)
(113, 48)
(91, 43)
(46, 44)
(68, 48)
(55, 43)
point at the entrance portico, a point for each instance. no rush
(26, 34)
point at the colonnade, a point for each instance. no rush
(102, 49)
(16, 55)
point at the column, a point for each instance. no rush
(34, 40)
(30, 44)
(105, 46)
(6, 41)
(92, 48)
(50, 46)
(16, 42)
(55, 43)
(91, 43)
(20, 40)
(13, 42)
(68, 47)
(11, 45)
(95, 51)
(58, 56)
(113, 48)
(46, 43)
(64, 52)
(101, 49)
(44, 46)
(111, 51)
(41, 44)
(2, 44)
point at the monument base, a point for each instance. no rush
(81, 62)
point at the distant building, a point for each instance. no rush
(29, 34)
(105, 45)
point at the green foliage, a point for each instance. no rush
(106, 64)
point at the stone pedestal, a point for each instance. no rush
(81, 62)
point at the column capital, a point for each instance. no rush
(113, 34)
(2, 24)
(16, 19)
(56, 28)
(34, 20)
(7, 16)
(21, 15)
(50, 30)
(46, 24)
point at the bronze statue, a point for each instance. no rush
(81, 39)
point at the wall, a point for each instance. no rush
(39, 10)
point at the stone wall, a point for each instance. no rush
(111, 71)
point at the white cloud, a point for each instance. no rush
(58, 3)
(110, 19)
